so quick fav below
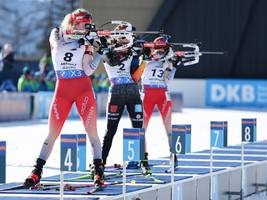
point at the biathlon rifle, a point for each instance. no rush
(186, 57)
(125, 31)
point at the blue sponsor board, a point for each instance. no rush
(81, 162)
(181, 139)
(133, 144)
(218, 131)
(2, 161)
(236, 93)
(249, 130)
(68, 153)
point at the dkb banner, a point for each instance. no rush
(236, 93)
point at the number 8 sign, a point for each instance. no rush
(248, 130)
(133, 144)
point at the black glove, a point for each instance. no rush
(146, 52)
(97, 45)
(103, 41)
(176, 60)
(100, 45)
(81, 42)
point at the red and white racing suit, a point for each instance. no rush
(73, 86)
(154, 84)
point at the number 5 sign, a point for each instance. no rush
(133, 144)
(248, 130)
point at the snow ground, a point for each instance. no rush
(24, 139)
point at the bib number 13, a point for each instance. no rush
(158, 73)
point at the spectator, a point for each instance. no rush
(51, 81)
(7, 86)
(25, 82)
(39, 82)
(6, 66)
(6, 58)
(45, 64)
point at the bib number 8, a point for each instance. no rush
(68, 56)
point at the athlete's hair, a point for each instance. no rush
(71, 18)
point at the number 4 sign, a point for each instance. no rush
(68, 153)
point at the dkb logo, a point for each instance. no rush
(232, 93)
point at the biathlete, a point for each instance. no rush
(73, 62)
(123, 91)
(155, 72)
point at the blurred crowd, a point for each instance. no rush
(43, 79)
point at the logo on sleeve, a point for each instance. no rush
(113, 108)
(138, 108)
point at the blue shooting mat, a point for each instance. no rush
(163, 169)
(43, 198)
(138, 178)
(68, 177)
(233, 151)
(141, 179)
(197, 163)
(249, 147)
(222, 157)
(109, 190)
(186, 170)
(264, 142)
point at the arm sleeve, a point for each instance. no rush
(91, 67)
(54, 37)
(170, 72)
(139, 71)
(134, 64)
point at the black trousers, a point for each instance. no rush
(121, 96)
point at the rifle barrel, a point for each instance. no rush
(213, 52)
(147, 32)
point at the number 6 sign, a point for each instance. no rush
(181, 139)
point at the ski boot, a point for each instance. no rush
(36, 174)
(175, 161)
(132, 165)
(99, 173)
(145, 166)
(91, 171)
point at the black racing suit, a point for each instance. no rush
(124, 92)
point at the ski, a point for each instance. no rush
(21, 186)
(102, 187)
(96, 189)
(154, 179)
